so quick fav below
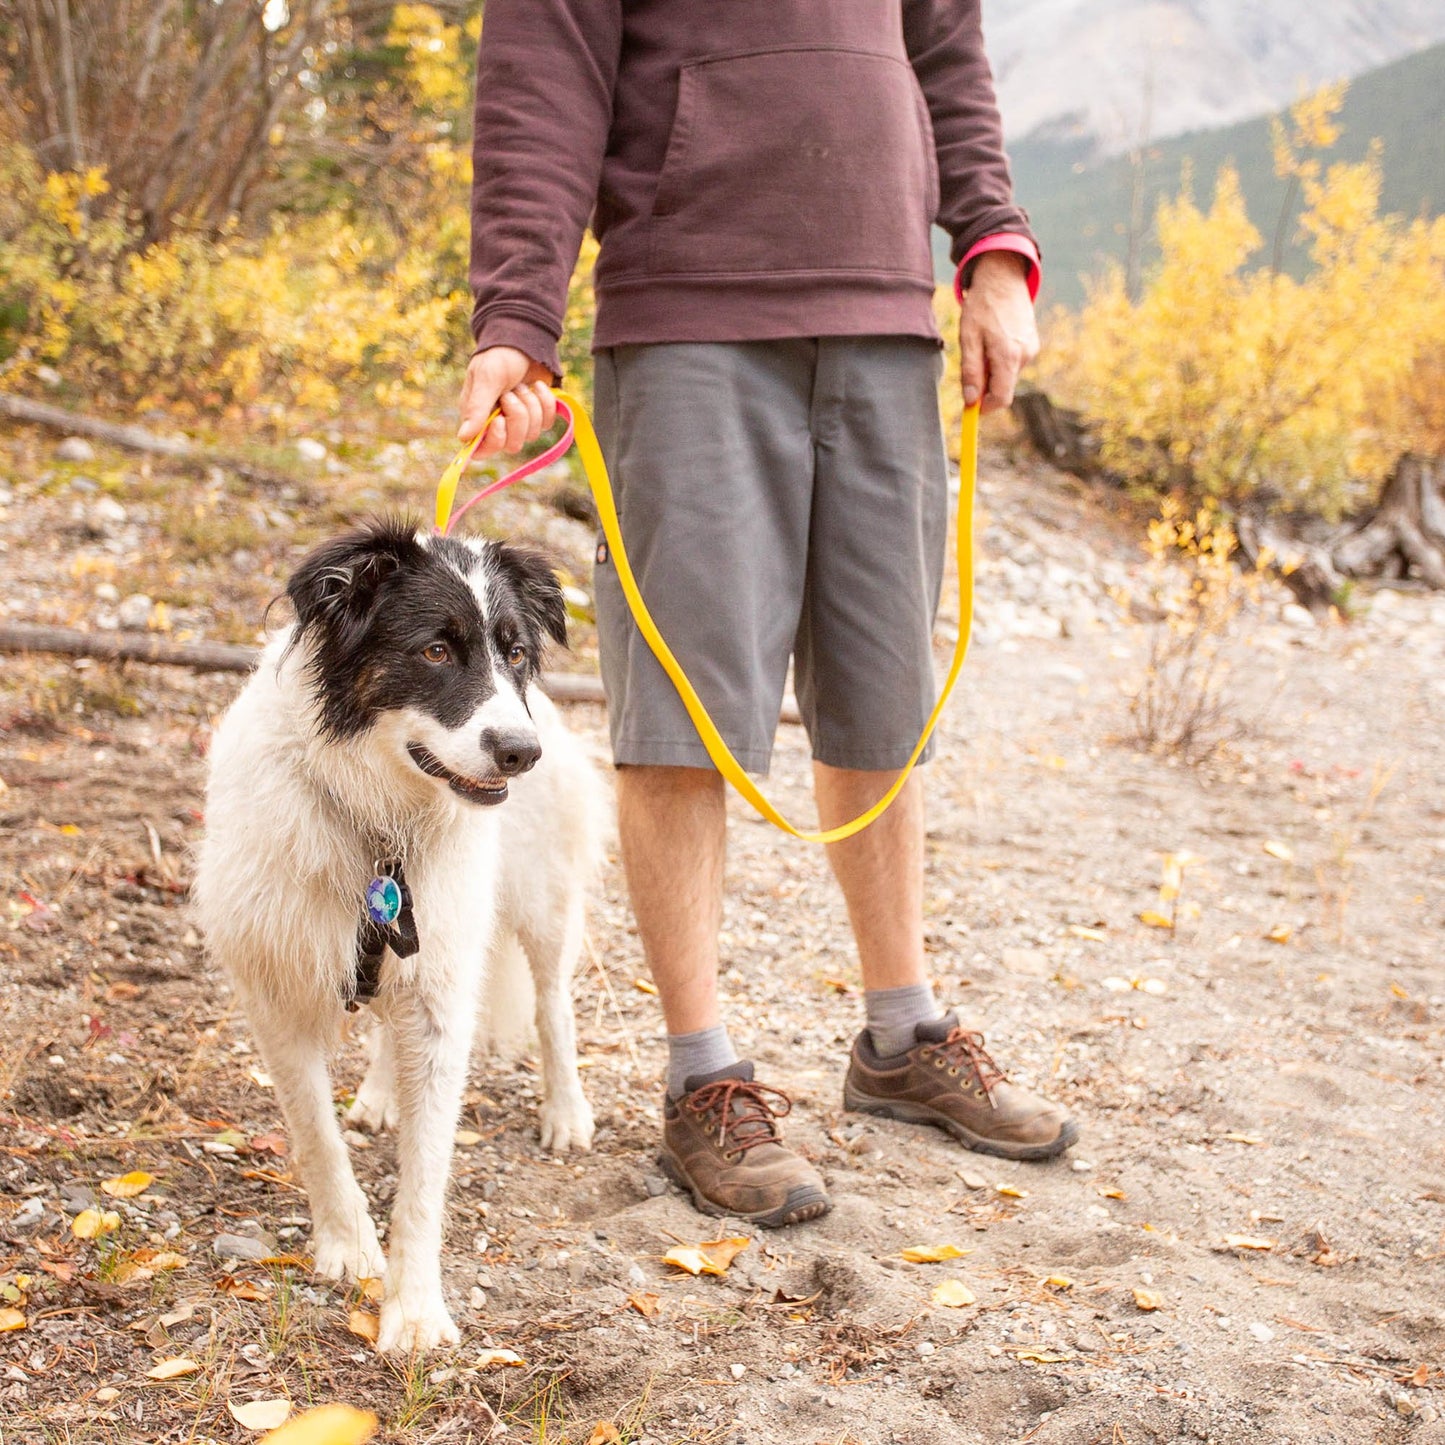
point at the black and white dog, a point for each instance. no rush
(352, 852)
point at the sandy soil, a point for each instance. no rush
(1229, 1086)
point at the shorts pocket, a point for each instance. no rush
(795, 161)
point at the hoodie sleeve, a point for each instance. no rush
(945, 44)
(545, 76)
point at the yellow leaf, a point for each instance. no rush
(1247, 1241)
(933, 1253)
(646, 1305)
(1398, 991)
(70, 830)
(1282, 851)
(364, 1324)
(160, 1258)
(1152, 918)
(326, 1425)
(644, 985)
(128, 1185)
(91, 1222)
(1147, 1299)
(372, 1289)
(11, 1319)
(1112, 1192)
(1012, 1191)
(1280, 933)
(242, 1288)
(492, 1359)
(953, 1294)
(1059, 1281)
(604, 1432)
(173, 1369)
(467, 1137)
(260, 1414)
(1097, 935)
(1042, 1357)
(711, 1257)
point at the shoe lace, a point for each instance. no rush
(963, 1048)
(745, 1118)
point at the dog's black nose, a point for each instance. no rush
(513, 750)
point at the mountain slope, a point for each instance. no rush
(1113, 72)
(1082, 211)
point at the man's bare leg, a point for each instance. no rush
(673, 828)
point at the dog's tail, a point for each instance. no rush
(505, 1025)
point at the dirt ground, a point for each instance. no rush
(1246, 1245)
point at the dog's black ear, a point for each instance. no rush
(338, 581)
(538, 590)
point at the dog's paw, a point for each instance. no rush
(408, 1327)
(566, 1124)
(371, 1110)
(348, 1252)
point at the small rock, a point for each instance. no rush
(311, 450)
(477, 1299)
(104, 517)
(49, 376)
(972, 1181)
(75, 449)
(655, 1185)
(926, 1347)
(106, 1394)
(28, 1216)
(737, 1371)
(134, 612)
(239, 1246)
(635, 1277)
(1027, 961)
(1301, 617)
(1261, 1332)
(1081, 1166)
(107, 592)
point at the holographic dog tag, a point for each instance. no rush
(383, 900)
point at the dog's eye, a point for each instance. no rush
(437, 652)
(516, 654)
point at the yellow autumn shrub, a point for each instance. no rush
(1225, 376)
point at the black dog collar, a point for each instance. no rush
(387, 921)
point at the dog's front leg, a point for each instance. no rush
(431, 1037)
(343, 1237)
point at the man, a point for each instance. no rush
(762, 175)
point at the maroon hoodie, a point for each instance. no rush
(752, 168)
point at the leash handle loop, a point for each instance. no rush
(595, 468)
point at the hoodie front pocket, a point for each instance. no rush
(795, 161)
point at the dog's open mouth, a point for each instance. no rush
(474, 790)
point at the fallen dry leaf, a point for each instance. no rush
(90, 1223)
(1059, 1281)
(953, 1294)
(371, 1288)
(933, 1253)
(465, 1138)
(128, 1185)
(1109, 1192)
(1152, 918)
(604, 1432)
(646, 1305)
(713, 1256)
(260, 1414)
(11, 1319)
(1042, 1357)
(644, 985)
(1012, 1191)
(1282, 851)
(242, 1288)
(1280, 933)
(160, 1258)
(494, 1359)
(1095, 935)
(1242, 1138)
(326, 1425)
(365, 1324)
(1247, 1241)
(175, 1368)
(1146, 1299)
(270, 1144)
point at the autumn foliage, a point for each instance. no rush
(1227, 375)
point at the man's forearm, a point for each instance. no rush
(545, 76)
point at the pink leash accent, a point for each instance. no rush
(527, 469)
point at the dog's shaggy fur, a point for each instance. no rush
(381, 726)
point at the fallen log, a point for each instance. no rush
(1057, 434)
(26, 637)
(1405, 534)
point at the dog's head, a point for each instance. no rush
(430, 642)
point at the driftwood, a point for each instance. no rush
(1058, 435)
(230, 657)
(1402, 538)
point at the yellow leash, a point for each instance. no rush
(595, 469)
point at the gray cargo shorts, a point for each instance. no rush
(778, 499)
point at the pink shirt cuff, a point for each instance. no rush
(1004, 241)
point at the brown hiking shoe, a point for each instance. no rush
(721, 1143)
(949, 1080)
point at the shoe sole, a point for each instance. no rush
(906, 1113)
(804, 1202)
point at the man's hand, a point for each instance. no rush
(502, 376)
(997, 336)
